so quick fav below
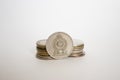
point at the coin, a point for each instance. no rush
(59, 45)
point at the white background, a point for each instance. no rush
(96, 22)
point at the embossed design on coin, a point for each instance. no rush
(59, 45)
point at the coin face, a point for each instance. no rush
(59, 45)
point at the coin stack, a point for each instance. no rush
(78, 47)
(59, 45)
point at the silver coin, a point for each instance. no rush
(59, 45)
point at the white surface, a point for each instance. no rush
(96, 22)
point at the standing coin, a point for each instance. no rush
(59, 45)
